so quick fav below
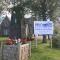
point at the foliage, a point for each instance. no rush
(2, 39)
(56, 41)
(3, 5)
(40, 7)
(51, 7)
(56, 36)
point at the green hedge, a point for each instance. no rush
(56, 41)
(56, 36)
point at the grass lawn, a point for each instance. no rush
(2, 39)
(44, 52)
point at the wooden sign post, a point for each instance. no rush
(36, 40)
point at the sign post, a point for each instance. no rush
(43, 28)
(51, 40)
(36, 42)
(51, 43)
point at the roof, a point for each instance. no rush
(6, 13)
(3, 16)
(1, 19)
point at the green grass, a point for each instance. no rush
(2, 39)
(44, 52)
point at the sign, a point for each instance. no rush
(43, 27)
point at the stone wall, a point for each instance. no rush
(10, 52)
(14, 52)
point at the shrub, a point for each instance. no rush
(56, 41)
(56, 36)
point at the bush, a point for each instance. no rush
(56, 36)
(56, 41)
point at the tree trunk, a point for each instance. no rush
(15, 26)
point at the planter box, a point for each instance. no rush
(15, 52)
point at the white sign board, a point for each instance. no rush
(43, 27)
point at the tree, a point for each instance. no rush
(42, 8)
(3, 5)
